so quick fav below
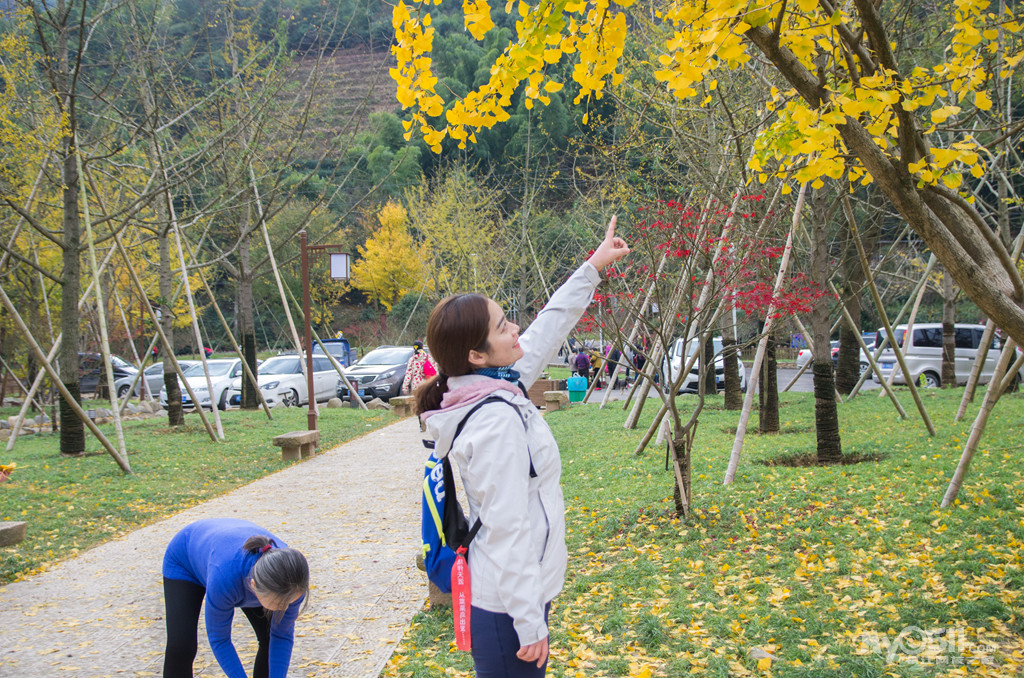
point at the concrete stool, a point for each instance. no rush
(297, 444)
(435, 595)
(556, 400)
(403, 406)
(11, 532)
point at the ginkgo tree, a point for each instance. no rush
(845, 106)
(390, 264)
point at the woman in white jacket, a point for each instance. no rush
(508, 460)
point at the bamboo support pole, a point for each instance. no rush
(978, 427)
(169, 350)
(872, 365)
(122, 462)
(899, 318)
(885, 318)
(979, 362)
(273, 267)
(101, 311)
(908, 332)
(24, 389)
(195, 325)
(234, 344)
(1011, 375)
(748, 399)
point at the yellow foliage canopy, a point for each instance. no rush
(856, 80)
(390, 264)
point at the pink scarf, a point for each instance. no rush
(467, 395)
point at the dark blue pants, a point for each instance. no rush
(495, 644)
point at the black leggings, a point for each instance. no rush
(183, 601)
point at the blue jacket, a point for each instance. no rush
(209, 553)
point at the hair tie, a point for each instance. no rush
(267, 547)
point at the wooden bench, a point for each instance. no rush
(297, 444)
(556, 400)
(403, 406)
(11, 532)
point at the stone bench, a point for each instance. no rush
(403, 406)
(11, 532)
(435, 595)
(297, 444)
(556, 400)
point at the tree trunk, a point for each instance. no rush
(246, 324)
(707, 360)
(175, 414)
(768, 390)
(826, 418)
(730, 360)
(848, 369)
(681, 449)
(72, 430)
(948, 332)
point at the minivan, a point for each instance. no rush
(681, 351)
(923, 354)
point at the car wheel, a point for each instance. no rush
(291, 398)
(863, 368)
(122, 391)
(929, 380)
(223, 404)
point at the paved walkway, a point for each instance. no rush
(353, 511)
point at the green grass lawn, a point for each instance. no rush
(72, 504)
(816, 571)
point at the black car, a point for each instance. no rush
(379, 374)
(90, 367)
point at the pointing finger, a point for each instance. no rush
(610, 233)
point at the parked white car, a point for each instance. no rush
(281, 380)
(222, 371)
(154, 376)
(680, 353)
(923, 354)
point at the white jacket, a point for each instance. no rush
(517, 560)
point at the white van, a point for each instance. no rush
(680, 353)
(923, 354)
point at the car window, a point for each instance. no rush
(154, 370)
(322, 365)
(217, 369)
(966, 338)
(281, 365)
(930, 337)
(120, 362)
(387, 356)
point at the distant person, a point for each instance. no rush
(208, 351)
(229, 563)
(418, 368)
(582, 364)
(596, 361)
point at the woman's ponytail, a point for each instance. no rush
(429, 393)
(258, 543)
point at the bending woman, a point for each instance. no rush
(231, 563)
(508, 460)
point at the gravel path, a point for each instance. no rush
(353, 511)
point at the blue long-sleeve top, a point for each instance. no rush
(209, 553)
